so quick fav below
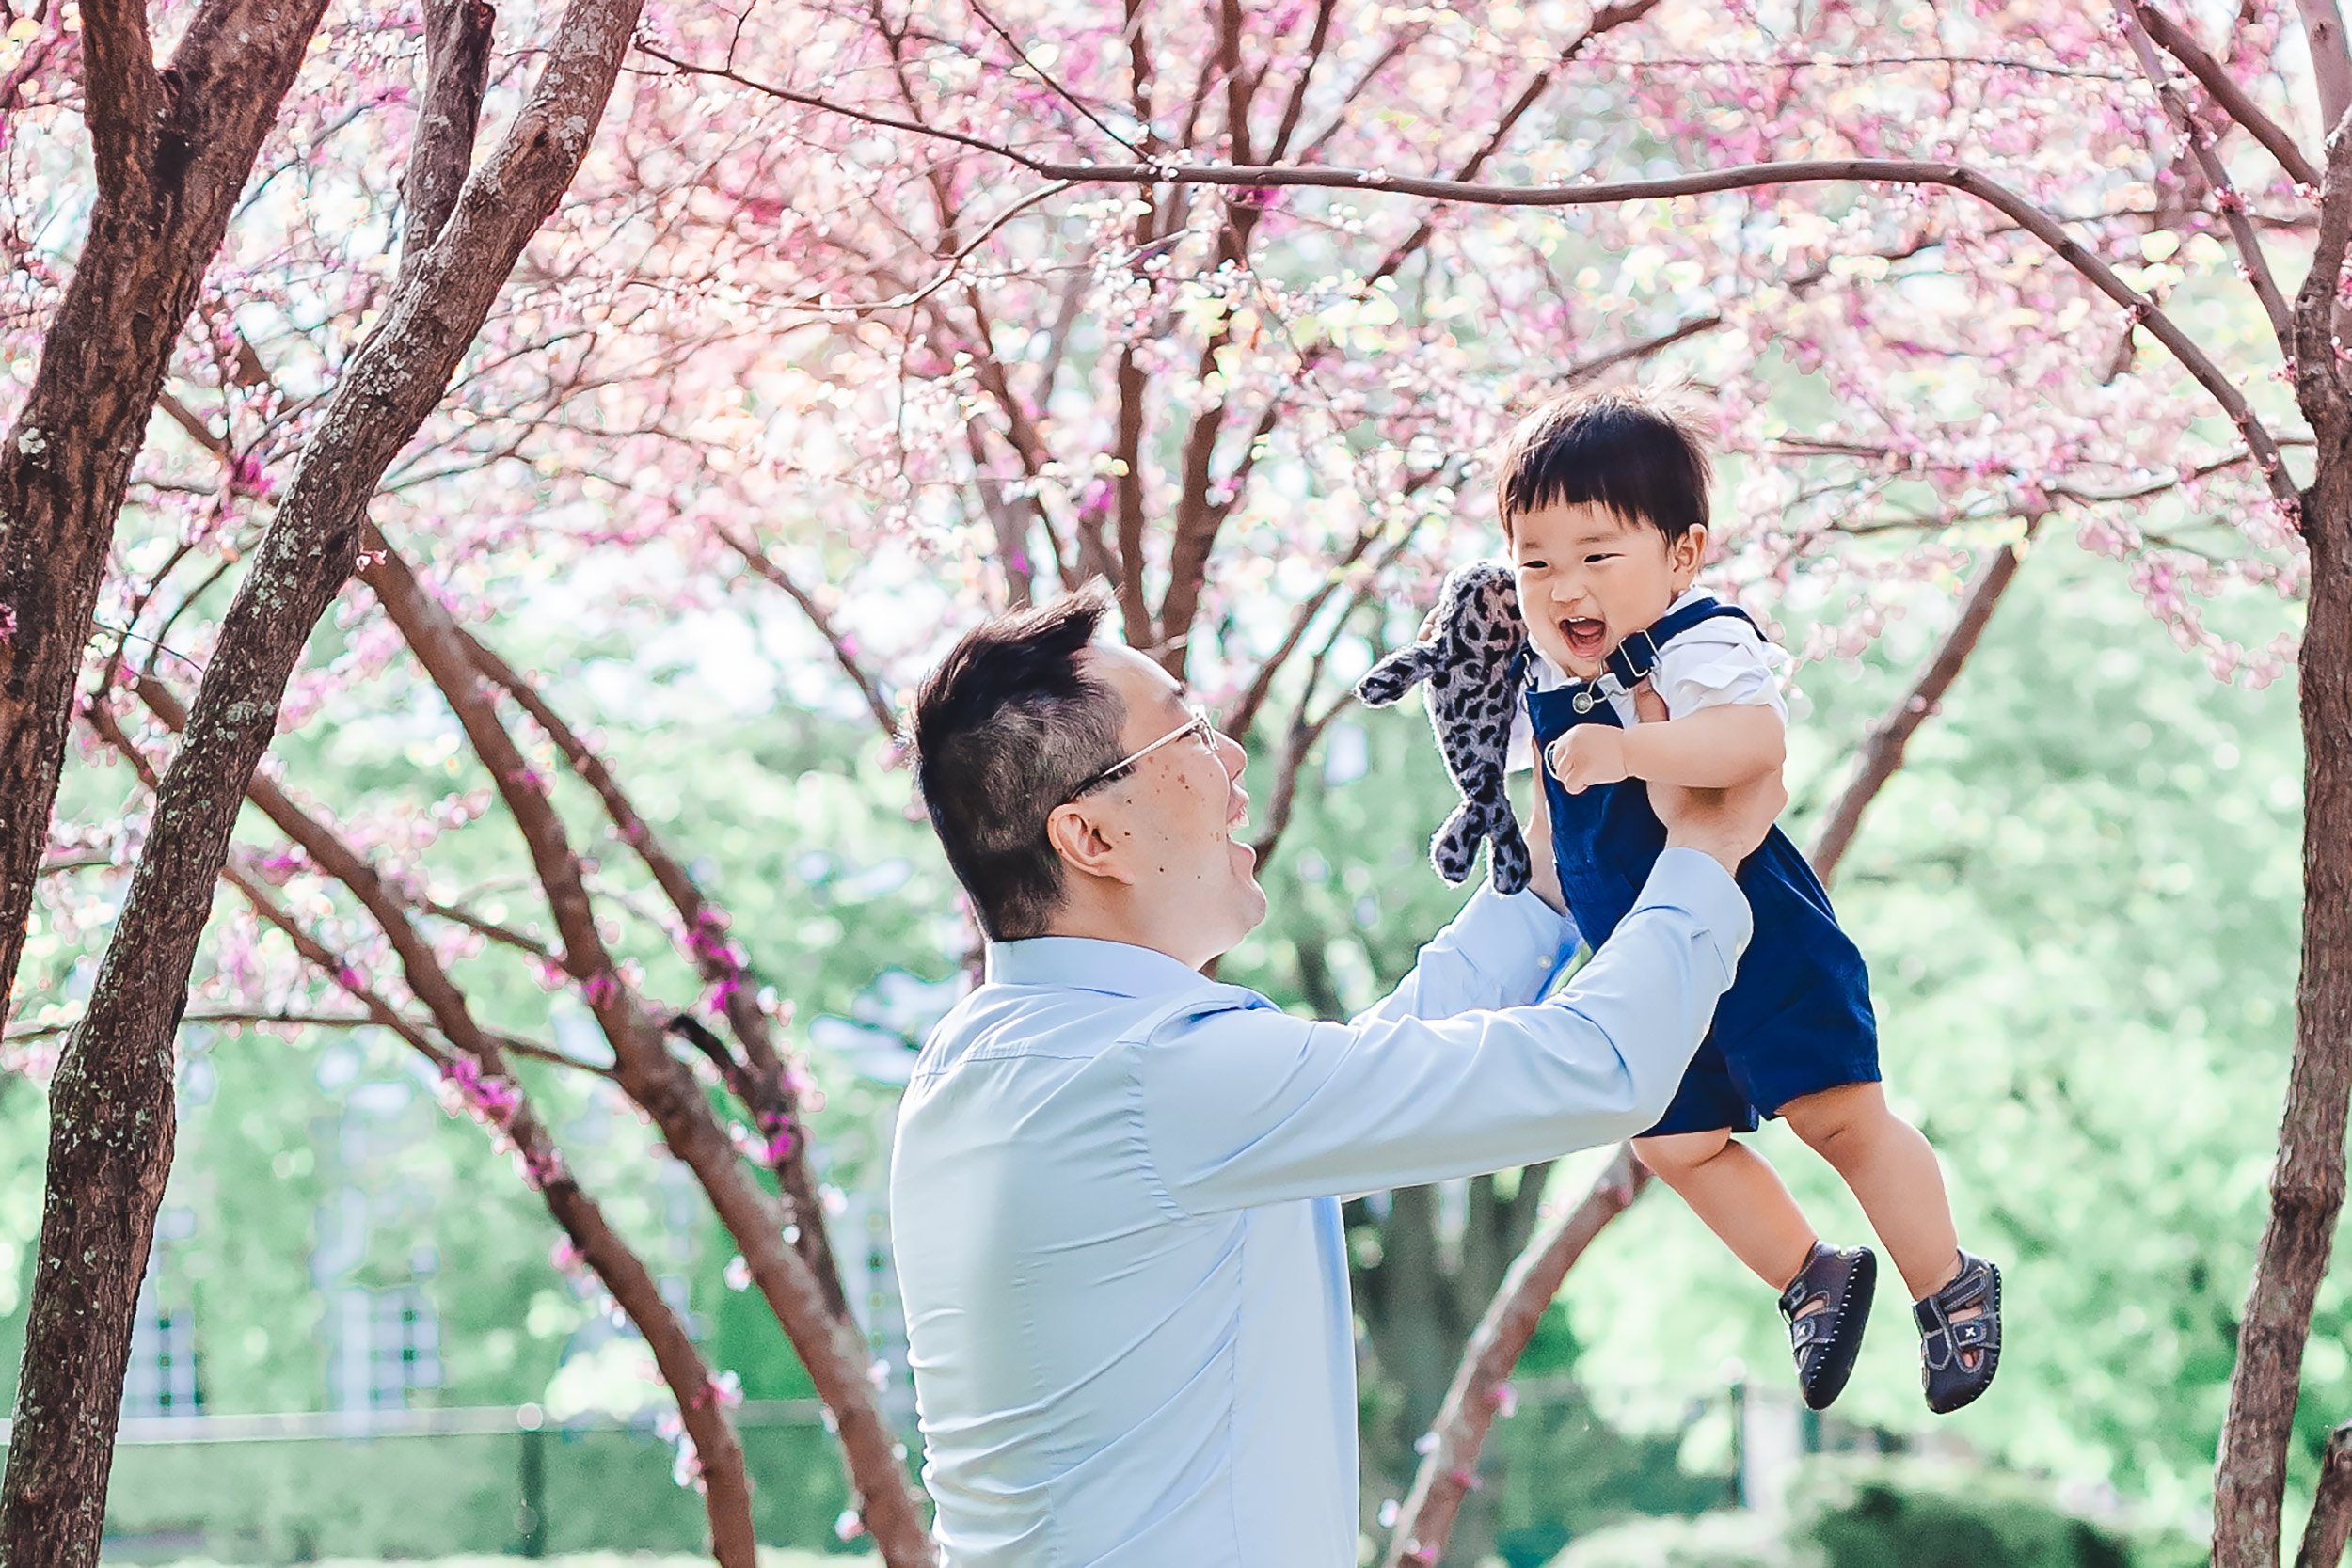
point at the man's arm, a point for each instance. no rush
(1246, 1107)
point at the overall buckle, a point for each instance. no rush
(1623, 659)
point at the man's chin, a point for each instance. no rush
(1254, 904)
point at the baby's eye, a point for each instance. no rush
(1536, 565)
(1597, 560)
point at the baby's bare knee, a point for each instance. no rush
(1674, 1154)
(1836, 1119)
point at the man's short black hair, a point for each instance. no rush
(1005, 730)
(1637, 453)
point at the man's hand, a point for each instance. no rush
(1588, 754)
(1727, 824)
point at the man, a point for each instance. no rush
(1113, 1189)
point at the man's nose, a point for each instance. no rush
(1230, 752)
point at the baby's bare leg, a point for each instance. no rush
(1894, 1174)
(1739, 1195)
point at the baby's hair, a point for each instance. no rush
(1636, 450)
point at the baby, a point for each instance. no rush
(1639, 678)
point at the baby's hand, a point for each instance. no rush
(1588, 754)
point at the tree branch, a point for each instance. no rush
(1882, 752)
(1127, 503)
(2224, 91)
(1893, 171)
(2198, 142)
(457, 71)
(1607, 20)
(504, 1108)
(868, 686)
(2319, 377)
(498, 1101)
(122, 97)
(2330, 1523)
(1450, 1466)
(1244, 713)
(764, 1082)
(2331, 56)
(831, 1351)
(1318, 39)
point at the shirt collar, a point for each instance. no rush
(1086, 963)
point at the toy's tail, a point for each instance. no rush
(1455, 850)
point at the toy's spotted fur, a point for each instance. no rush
(1474, 637)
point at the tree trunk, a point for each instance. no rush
(111, 1101)
(2307, 1179)
(171, 161)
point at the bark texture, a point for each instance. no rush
(2330, 1523)
(173, 150)
(2307, 1181)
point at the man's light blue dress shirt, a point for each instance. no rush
(1114, 1195)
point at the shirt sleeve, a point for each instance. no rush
(1239, 1106)
(1712, 668)
(1501, 951)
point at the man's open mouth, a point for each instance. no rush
(1586, 638)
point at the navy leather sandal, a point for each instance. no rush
(1826, 1306)
(1958, 1357)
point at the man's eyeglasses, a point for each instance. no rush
(1200, 726)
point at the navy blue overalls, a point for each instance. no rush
(1797, 1018)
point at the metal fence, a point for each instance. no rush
(429, 1482)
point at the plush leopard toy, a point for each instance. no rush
(1470, 656)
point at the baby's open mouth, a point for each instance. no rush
(1586, 638)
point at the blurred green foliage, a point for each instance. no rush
(1880, 1516)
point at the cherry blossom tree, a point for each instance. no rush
(111, 1095)
(882, 316)
(2024, 223)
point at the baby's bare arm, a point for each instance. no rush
(1712, 748)
(1544, 875)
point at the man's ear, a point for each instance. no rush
(1686, 555)
(1087, 844)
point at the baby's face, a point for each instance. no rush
(1589, 576)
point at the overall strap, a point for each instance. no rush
(1631, 660)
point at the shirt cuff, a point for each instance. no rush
(1696, 883)
(1494, 924)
